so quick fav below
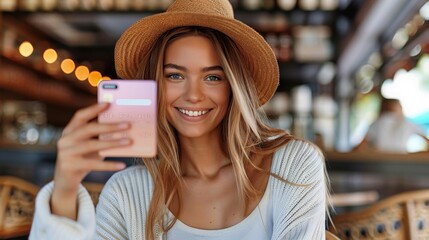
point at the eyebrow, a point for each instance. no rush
(206, 69)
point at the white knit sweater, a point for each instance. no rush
(298, 211)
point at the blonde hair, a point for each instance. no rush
(244, 129)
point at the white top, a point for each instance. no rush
(294, 212)
(257, 226)
(390, 133)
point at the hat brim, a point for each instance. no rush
(258, 56)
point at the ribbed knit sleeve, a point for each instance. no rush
(49, 226)
(123, 205)
(121, 210)
(299, 211)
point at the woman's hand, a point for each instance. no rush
(78, 155)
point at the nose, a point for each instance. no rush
(194, 91)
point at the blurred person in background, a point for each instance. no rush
(391, 131)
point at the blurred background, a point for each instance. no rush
(337, 58)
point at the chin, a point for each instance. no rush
(191, 134)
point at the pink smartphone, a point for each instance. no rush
(132, 101)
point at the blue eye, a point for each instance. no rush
(213, 78)
(174, 76)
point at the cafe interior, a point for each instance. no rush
(338, 61)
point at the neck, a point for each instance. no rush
(202, 157)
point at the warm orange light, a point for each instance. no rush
(94, 78)
(106, 78)
(26, 49)
(68, 66)
(82, 73)
(50, 55)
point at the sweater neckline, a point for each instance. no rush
(236, 227)
(255, 212)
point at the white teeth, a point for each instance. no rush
(192, 113)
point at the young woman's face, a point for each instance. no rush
(197, 91)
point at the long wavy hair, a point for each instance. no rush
(245, 132)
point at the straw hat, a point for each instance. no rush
(258, 56)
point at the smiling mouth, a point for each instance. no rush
(192, 113)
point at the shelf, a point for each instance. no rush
(26, 154)
(407, 165)
(21, 80)
(73, 83)
(378, 157)
(36, 163)
(18, 154)
(104, 27)
(237, 10)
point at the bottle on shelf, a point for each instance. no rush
(138, 5)
(106, 5)
(268, 4)
(8, 5)
(329, 4)
(286, 4)
(153, 4)
(69, 5)
(309, 4)
(285, 46)
(22, 121)
(273, 41)
(30, 5)
(9, 42)
(122, 5)
(49, 5)
(251, 4)
(164, 4)
(88, 5)
(302, 107)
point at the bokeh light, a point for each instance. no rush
(50, 55)
(68, 66)
(94, 78)
(82, 73)
(26, 49)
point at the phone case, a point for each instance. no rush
(133, 101)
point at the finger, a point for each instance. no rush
(92, 146)
(90, 131)
(84, 115)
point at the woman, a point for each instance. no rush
(391, 131)
(220, 172)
